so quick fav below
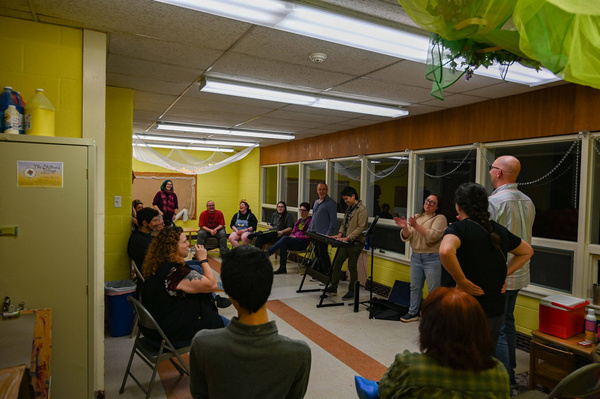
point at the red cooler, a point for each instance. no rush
(562, 315)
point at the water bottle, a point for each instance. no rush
(11, 120)
(6, 99)
(39, 115)
(590, 325)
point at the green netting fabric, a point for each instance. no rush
(564, 35)
(439, 71)
(458, 19)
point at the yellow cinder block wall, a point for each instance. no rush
(48, 57)
(119, 122)
(225, 186)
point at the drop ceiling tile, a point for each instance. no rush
(294, 49)
(157, 50)
(305, 116)
(453, 100)
(144, 84)
(280, 124)
(393, 92)
(261, 69)
(151, 70)
(504, 89)
(149, 97)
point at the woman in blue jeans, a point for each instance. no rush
(296, 241)
(424, 232)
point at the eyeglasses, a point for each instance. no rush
(495, 167)
(430, 202)
(303, 210)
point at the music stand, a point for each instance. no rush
(369, 233)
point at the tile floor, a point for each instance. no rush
(332, 375)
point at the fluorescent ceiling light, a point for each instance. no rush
(178, 127)
(192, 140)
(183, 147)
(337, 28)
(248, 90)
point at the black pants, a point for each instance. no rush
(323, 256)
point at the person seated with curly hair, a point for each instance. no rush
(456, 354)
(177, 296)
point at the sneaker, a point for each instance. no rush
(281, 270)
(222, 302)
(408, 318)
(349, 295)
(331, 290)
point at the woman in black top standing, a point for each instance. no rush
(474, 253)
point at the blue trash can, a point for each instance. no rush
(120, 313)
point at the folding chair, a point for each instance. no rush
(581, 383)
(148, 352)
(138, 278)
(306, 254)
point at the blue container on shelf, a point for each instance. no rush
(6, 99)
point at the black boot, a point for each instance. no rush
(281, 270)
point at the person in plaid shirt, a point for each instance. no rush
(456, 354)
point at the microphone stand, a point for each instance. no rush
(370, 233)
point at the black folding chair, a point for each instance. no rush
(149, 351)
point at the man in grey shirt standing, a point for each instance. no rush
(324, 220)
(515, 211)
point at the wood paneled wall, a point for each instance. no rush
(553, 111)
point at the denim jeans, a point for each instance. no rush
(284, 244)
(507, 342)
(423, 266)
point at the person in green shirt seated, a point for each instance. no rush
(456, 354)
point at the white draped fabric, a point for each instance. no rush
(185, 162)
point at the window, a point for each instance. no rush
(345, 173)
(289, 184)
(270, 185)
(550, 177)
(552, 268)
(595, 211)
(387, 181)
(314, 173)
(441, 174)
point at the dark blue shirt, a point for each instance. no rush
(324, 217)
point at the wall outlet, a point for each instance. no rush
(117, 201)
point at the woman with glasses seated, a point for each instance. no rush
(424, 232)
(296, 241)
(281, 225)
(177, 296)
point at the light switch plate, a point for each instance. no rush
(117, 201)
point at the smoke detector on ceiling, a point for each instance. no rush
(318, 58)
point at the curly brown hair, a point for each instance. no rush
(163, 249)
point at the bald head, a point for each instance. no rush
(505, 170)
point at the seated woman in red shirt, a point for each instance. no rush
(296, 241)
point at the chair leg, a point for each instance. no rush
(155, 370)
(127, 370)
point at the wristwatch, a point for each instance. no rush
(204, 261)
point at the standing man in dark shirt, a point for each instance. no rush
(212, 224)
(140, 239)
(324, 219)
